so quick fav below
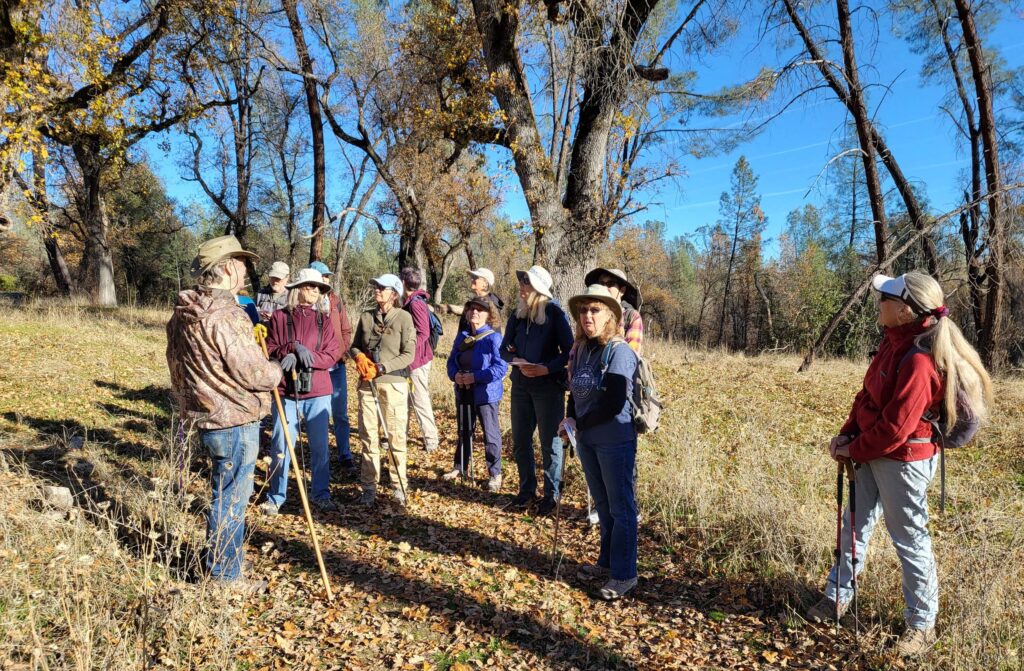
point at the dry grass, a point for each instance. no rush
(736, 479)
(739, 475)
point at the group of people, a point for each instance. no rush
(573, 375)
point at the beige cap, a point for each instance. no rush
(279, 270)
(215, 250)
(600, 293)
(484, 273)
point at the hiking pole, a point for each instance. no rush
(558, 501)
(300, 420)
(386, 439)
(839, 535)
(460, 419)
(851, 479)
(299, 480)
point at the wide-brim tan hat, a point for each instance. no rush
(631, 295)
(599, 293)
(539, 278)
(309, 276)
(215, 250)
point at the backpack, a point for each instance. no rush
(436, 328)
(960, 434)
(645, 401)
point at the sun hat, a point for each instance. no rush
(321, 268)
(309, 276)
(631, 295)
(484, 273)
(388, 281)
(897, 288)
(539, 279)
(596, 292)
(278, 270)
(216, 250)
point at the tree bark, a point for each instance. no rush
(990, 337)
(41, 203)
(316, 125)
(97, 267)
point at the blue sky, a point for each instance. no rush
(788, 156)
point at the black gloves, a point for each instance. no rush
(288, 363)
(304, 355)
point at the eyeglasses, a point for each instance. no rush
(590, 310)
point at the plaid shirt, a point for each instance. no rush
(634, 331)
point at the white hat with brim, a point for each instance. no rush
(485, 273)
(388, 281)
(598, 293)
(539, 279)
(631, 294)
(309, 276)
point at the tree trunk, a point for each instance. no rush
(41, 203)
(990, 340)
(728, 281)
(316, 126)
(97, 259)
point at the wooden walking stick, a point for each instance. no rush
(299, 479)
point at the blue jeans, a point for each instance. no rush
(541, 408)
(339, 412)
(898, 490)
(609, 471)
(316, 412)
(233, 453)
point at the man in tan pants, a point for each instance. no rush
(382, 348)
(419, 370)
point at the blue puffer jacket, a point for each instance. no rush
(488, 367)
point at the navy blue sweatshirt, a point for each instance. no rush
(547, 344)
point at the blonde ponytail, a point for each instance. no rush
(957, 362)
(534, 308)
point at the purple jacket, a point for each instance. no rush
(325, 356)
(421, 321)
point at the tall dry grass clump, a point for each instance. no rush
(739, 478)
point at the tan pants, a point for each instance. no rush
(394, 402)
(419, 401)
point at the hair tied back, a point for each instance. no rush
(940, 312)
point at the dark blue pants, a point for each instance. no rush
(339, 412)
(609, 471)
(487, 414)
(540, 408)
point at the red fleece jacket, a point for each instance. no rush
(279, 346)
(889, 410)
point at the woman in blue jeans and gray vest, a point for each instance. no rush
(537, 343)
(601, 418)
(922, 365)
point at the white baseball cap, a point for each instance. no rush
(484, 273)
(897, 288)
(388, 281)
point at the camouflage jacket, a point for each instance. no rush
(219, 374)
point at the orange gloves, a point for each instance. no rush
(367, 368)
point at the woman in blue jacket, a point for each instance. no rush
(537, 343)
(477, 369)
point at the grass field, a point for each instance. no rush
(736, 492)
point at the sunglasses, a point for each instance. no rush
(590, 310)
(886, 297)
(608, 282)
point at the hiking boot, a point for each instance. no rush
(593, 519)
(616, 589)
(325, 505)
(825, 610)
(269, 508)
(452, 475)
(915, 642)
(367, 498)
(521, 501)
(546, 507)
(244, 586)
(494, 484)
(349, 469)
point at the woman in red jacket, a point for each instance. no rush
(921, 364)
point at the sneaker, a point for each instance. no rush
(367, 498)
(546, 507)
(430, 449)
(269, 508)
(616, 589)
(452, 475)
(325, 506)
(825, 610)
(915, 642)
(593, 519)
(398, 497)
(494, 484)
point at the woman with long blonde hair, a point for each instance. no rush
(923, 364)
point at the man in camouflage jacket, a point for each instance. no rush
(222, 383)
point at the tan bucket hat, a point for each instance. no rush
(596, 292)
(215, 250)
